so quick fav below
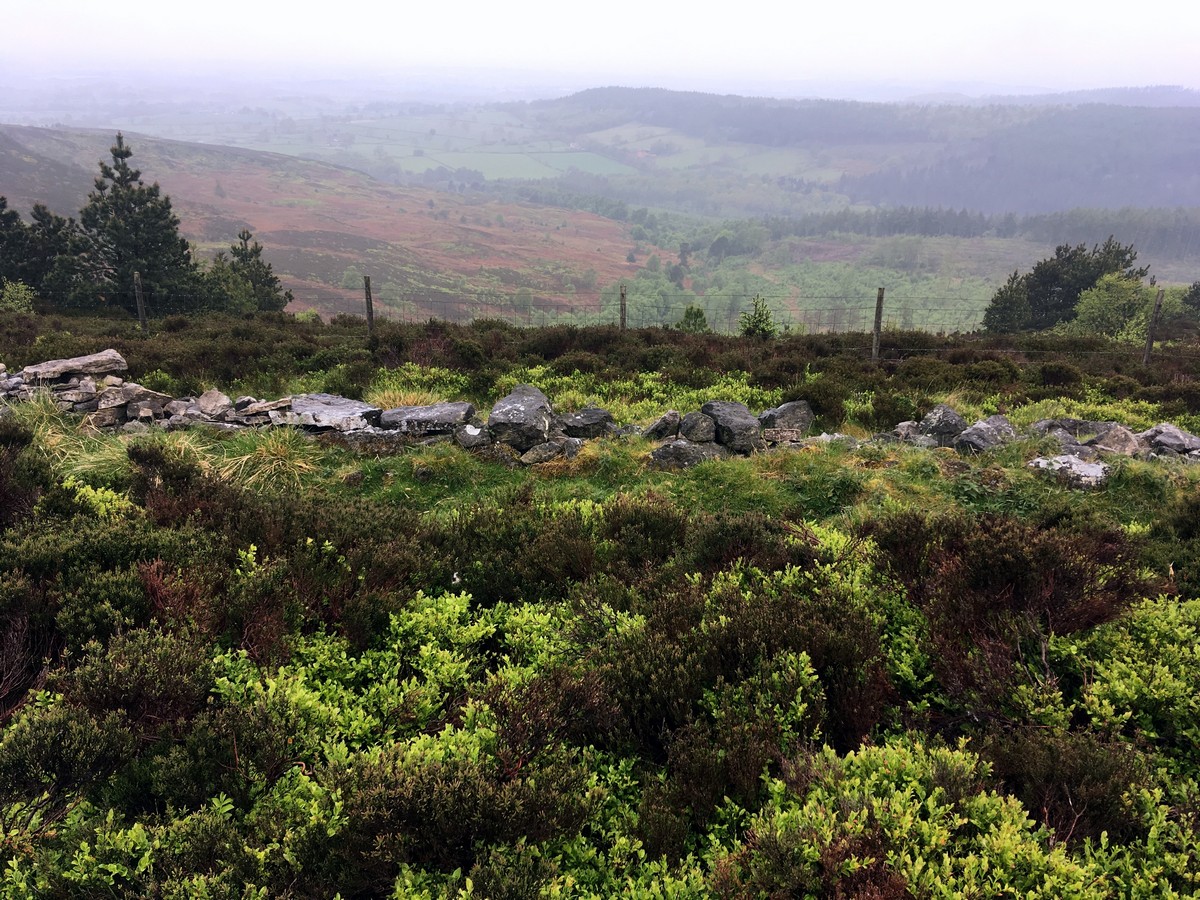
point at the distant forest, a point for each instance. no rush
(999, 158)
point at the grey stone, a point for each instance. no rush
(1072, 470)
(1167, 437)
(783, 435)
(101, 363)
(523, 419)
(111, 397)
(1117, 440)
(108, 417)
(590, 422)
(266, 407)
(214, 404)
(698, 428)
(667, 426)
(987, 434)
(472, 436)
(437, 418)
(943, 424)
(327, 411)
(681, 454)
(143, 410)
(176, 408)
(135, 428)
(541, 453)
(795, 415)
(737, 427)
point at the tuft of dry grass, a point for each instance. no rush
(274, 459)
(391, 398)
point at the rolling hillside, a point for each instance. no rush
(325, 225)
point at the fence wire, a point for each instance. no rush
(722, 312)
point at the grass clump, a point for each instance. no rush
(274, 460)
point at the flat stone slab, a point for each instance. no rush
(436, 418)
(102, 363)
(327, 411)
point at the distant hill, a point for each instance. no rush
(1000, 158)
(324, 226)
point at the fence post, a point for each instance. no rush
(623, 307)
(878, 326)
(141, 301)
(1158, 302)
(370, 305)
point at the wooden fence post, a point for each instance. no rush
(370, 305)
(623, 308)
(1158, 302)
(141, 301)
(878, 326)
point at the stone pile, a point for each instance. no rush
(524, 429)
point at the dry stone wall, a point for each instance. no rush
(524, 429)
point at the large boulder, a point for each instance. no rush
(102, 363)
(795, 415)
(1073, 471)
(682, 454)
(523, 419)
(590, 422)
(424, 421)
(942, 424)
(988, 434)
(327, 411)
(737, 428)
(1117, 440)
(1169, 438)
(213, 403)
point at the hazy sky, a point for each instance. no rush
(985, 47)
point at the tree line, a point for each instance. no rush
(126, 228)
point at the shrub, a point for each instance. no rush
(757, 322)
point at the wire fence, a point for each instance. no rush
(722, 312)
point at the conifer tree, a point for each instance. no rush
(140, 233)
(246, 261)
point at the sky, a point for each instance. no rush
(782, 48)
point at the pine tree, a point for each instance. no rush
(139, 232)
(246, 261)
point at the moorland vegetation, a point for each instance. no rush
(258, 666)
